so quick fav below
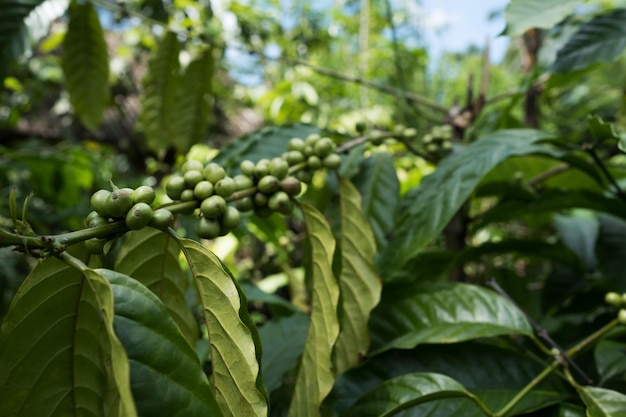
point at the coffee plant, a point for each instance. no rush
(414, 257)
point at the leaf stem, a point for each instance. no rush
(590, 149)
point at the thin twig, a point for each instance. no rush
(590, 149)
(541, 332)
(548, 174)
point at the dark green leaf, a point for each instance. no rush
(267, 142)
(493, 374)
(59, 353)
(610, 359)
(159, 99)
(151, 257)
(601, 39)
(359, 281)
(424, 211)
(412, 314)
(579, 232)
(603, 402)
(378, 185)
(166, 376)
(194, 102)
(276, 303)
(283, 342)
(85, 64)
(601, 130)
(315, 376)
(235, 356)
(611, 252)
(522, 15)
(403, 392)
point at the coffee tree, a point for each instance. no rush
(461, 262)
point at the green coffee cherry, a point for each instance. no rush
(213, 172)
(295, 144)
(376, 138)
(332, 161)
(312, 139)
(175, 186)
(244, 204)
(202, 190)
(280, 202)
(192, 178)
(119, 202)
(613, 299)
(308, 151)
(99, 200)
(230, 218)
(95, 246)
(432, 147)
(191, 165)
(97, 221)
(291, 185)
(161, 219)
(360, 127)
(294, 157)
(225, 187)
(262, 168)
(90, 216)
(187, 195)
(409, 132)
(144, 194)
(208, 228)
(268, 184)
(278, 167)
(304, 176)
(314, 162)
(213, 207)
(138, 216)
(621, 316)
(243, 182)
(260, 199)
(324, 147)
(247, 167)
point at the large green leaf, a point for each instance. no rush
(194, 100)
(151, 257)
(522, 15)
(379, 187)
(13, 32)
(610, 359)
(495, 375)
(235, 356)
(166, 376)
(283, 342)
(315, 376)
(159, 99)
(602, 39)
(267, 142)
(603, 402)
(59, 355)
(424, 211)
(85, 64)
(359, 281)
(611, 252)
(405, 391)
(412, 314)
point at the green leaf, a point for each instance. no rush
(159, 99)
(412, 314)
(85, 64)
(283, 342)
(267, 142)
(522, 15)
(424, 211)
(405, 391)
(166, 376)
(601, 39)
(378, 184)
(59, 353)
(235, 356)
(315, 376)
(151, 257)
(610, 359)
(603, 402)
(579, 232)
(278, 305)
(495, 375)
(601, 130)
(359, 282)
(611, 252)
(194, 102)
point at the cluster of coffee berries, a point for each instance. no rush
(131, 206)
(438, 141)
(311, 154)
(618, 301)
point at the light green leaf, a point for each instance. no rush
(166, 376)
(359, 281)
(151, 257)
(194, 102)
(603, 402)
(158, 101)
(234, 355)
(522, 15)
(424, 211)
(378, 184)
(283, 342)
(412, 314)
(406, 391)
(85, 64)
(58, 352)
(315, 376)
(602, 39)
